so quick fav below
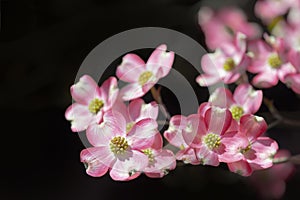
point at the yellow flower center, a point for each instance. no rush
(212, 140)
(236, 112)
(150, 155)
(274, 61)
(229, 64)
(144, 77)
(95, 105)
(118, 145)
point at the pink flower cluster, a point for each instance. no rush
(271, 57)
(122, 128)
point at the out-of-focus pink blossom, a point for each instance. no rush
(269, 62)
(226, 64)
(250, 150)
(292, 80)
(143, 76)
(245, 100)
(120, 151)
(91, 101)
(221, 26)
(273, 180)
(267, 10)
(161, 161)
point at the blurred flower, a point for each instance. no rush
(271, 183)
(226, 64)
(143, 76)
(292, 80)
(91, 101)
(221, 26)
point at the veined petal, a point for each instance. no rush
(109, 91)
(218, 120)
(80, 117)
(131, 91)
(188, 156)
(100, 134)
(143, 133)
(252, 126)
(161, 59)
(130, 69)
(207, 157)
(95, 166)
(207, 79)
(174, 132)
(115, 120)
(138, 110)
(194, 130)
(221, 97)
(241, 167)
(129, 167)
(85, 90)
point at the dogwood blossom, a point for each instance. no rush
(143, 76)
(91, 101)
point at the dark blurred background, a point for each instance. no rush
(43, 43)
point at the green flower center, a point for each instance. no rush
(245, 150)
(212, 140)
(236, 112)
(229, 64)
(95, 105)
(274, 61)
(144, 77)
(150, 155)
(118, 145)
(129, 126)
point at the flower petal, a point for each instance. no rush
(95, 166)
(85, 90)
(80, 117)
(241, 167)
(252, 126)
(138, 110)
(131, 91)
(109, 91)
(265, 79)
(161, 59)
(129, 167)
(207, 80)
(218, 120)
(221, 97)
(293, 81)
(130, 68)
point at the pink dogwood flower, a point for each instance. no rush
(292, 80)
(161, 161)
(136, 110)
(269, 62)
(249, 150)
(91, 101)
(220, 26)
(226, 64)
(143, 76)
(273, 179)
(119, 150)
(244, 100)
(267, 10)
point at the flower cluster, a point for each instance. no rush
(122, 128)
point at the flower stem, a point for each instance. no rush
(156, 95)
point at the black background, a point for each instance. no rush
(43, 44)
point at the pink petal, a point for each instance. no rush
(161, 59)
(85, 90)
(109, 90)
(138, 110)
(164, 161)
(265, 148)
(188, 156)
(174, 132)
(194, 130)
(203, 108)
(293, 81)
(221, 97)
(285, 70)
(218, 120)
(294, 58)
(265, 80)
(80, 117)
(96, 167)
(130, 69)
(131, 91)
(207, 157)
(115, 120)
(129, 167)
(143, 133)
(207, 80)
(208, 63)
(240, 167)
(157, 142)
(252, 126)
